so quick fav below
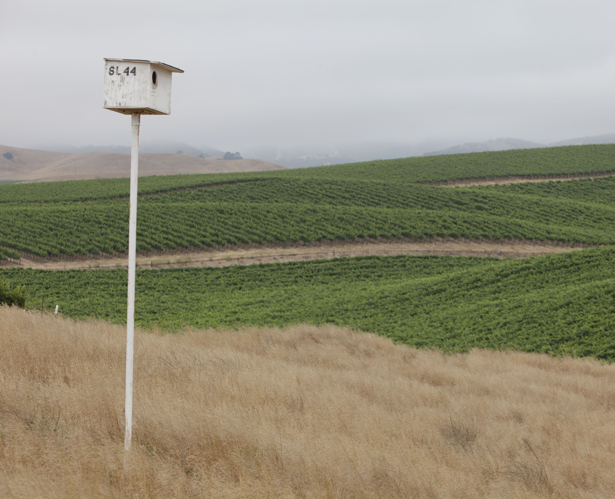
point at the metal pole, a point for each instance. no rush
(132, 256)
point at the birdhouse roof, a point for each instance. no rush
(173, 69)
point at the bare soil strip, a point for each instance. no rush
(518, 180)
(224, 258)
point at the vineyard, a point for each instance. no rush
(102, 228)
(559, 304)
(562, 304)
(343, 202)
(597, 191)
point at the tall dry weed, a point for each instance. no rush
(303, 412)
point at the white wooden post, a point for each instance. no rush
(135, 87)
(132, 257)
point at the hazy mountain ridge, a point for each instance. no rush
(319, 155)
(301, 157)
(354, 152)
(504, 144)
(608, 138)
(501, 144)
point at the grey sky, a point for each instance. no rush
(273, 72)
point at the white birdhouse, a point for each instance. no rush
(134, 86)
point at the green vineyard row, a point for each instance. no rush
(306, 206)
(103, 227)
(559, 304)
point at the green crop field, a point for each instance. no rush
(374, 199)
(559, 304)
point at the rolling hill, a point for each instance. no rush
(385, 199)
(560, 304)
(42, 166)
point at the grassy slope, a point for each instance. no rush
(560, 304)
(300, 412)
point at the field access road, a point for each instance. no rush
(505, 249)
(469, 182)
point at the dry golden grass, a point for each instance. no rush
(305, 412)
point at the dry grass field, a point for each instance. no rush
(301, 413)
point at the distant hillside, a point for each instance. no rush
(502, 144)
(174, 147)
(608, 138)
(170, 147)
(32, 165)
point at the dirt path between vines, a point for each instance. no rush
(519, 180)
(275, 255)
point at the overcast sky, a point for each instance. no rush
(281, 72)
